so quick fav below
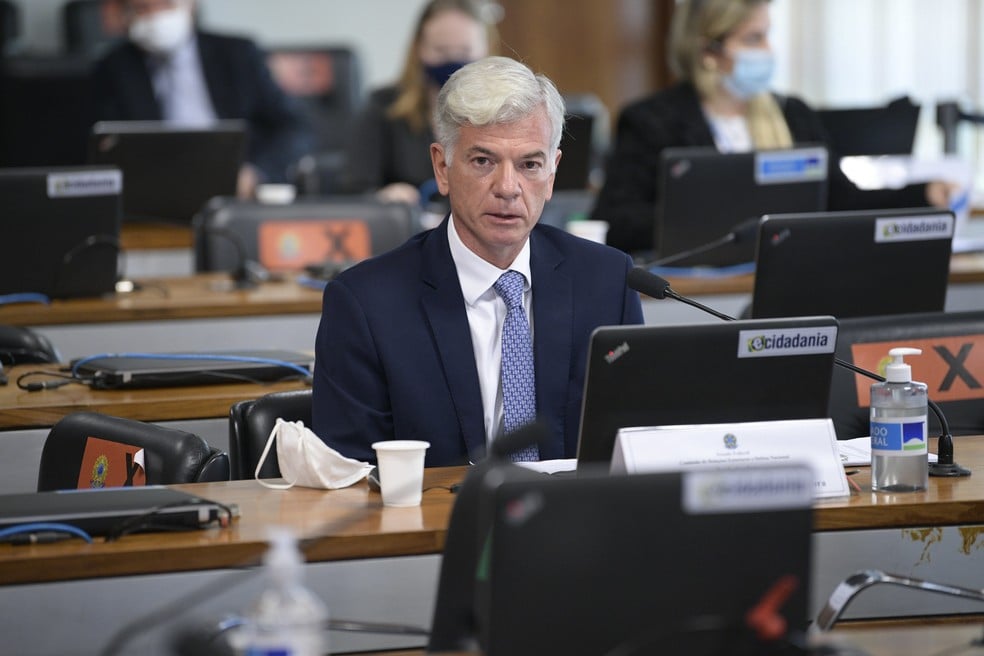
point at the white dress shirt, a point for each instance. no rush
(486, 312)
(731, 133)
(179, 84)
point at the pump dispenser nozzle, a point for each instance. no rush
(897, 371)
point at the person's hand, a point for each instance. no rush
(939, 193)
(247, 180)
(399, 192)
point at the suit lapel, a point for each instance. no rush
(444, 307)
(553, 312)
(220, 90)
(140, 85)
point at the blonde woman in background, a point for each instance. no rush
(389, 151)
(720, 52)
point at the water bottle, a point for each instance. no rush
(287, 619)
(899, 460)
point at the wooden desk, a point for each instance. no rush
(352, 524)
(155, 236)
(202, 296)
(339, 525)
(20, 409)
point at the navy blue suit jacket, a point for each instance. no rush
(239, 85)
(394, 357)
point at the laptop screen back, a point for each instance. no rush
(170, 173)
(853, 264)
(640, 564)
(703, 373)
(62, 230)
(704, 194)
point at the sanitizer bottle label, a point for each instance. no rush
(899, 438)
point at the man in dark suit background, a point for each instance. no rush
(411, 343)
(169, 71)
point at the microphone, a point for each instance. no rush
(646, 282)
(503, 447)
(739, 234)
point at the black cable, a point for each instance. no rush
(90, 242)
(145, 521)
(63, 379)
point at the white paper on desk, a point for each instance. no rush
(734, 445)
(857, 451)
(550, 466)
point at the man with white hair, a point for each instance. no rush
(481, 325)
(170, 71)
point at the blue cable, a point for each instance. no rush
(313, 283)
(192, 356)
(39, 527)
(24, 297)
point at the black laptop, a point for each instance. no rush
(100, 511)
(61, 230)
(170, 172)
(704, 194)
(134, 370)
(853, 264)
(650, 563)
(702, 374)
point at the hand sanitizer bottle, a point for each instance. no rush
(287, 619)
(899, 460)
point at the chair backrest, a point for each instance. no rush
(44, 110)
(951, 364)
(326, 81)
(87, 26)
(250, 425)
(170, 456)
(291, 237)
(886, 130)
(9, 25)
(584, 142)
(20, 345)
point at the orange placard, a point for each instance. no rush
(111, 464)
(952, 367)
(292, 245)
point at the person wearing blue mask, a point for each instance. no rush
(720, 52)
(389, 148)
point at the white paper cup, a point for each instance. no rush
(276, 194)
(401, 471)
(590, 230)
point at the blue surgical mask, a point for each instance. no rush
(439, 74)
(752, 73)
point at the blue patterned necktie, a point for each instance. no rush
(518, 381)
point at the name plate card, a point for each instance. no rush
(735, 445)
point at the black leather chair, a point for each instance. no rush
(250, 425)
(326, 82)
(84, 30)
(885, 130)
(171, 456)
(341, 229)
(950, 342)
(19, 345)
(9, 25)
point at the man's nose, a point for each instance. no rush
(506, 181)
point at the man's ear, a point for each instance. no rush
(440, 168)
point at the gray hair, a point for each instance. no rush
(493, 91)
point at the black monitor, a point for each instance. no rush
(62, 230)
(704, 194)
(703, 374)
(853, 264)
(641, 564)
(169, 173)
(888, 130)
